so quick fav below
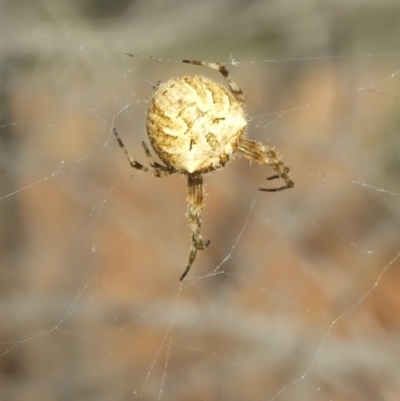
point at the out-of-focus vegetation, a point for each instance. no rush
(90, 305)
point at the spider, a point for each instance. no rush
(196, 125)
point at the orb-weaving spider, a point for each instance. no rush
(195, 125)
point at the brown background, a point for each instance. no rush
(283, 304)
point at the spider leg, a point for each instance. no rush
(195, 206)
(153, 163)
(155, 168)
(256, 151)
(236, 91)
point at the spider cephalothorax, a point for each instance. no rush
(195, 125)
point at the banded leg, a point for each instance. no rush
(155, 168)
(255, 151)
(195, 206)
(236, 91)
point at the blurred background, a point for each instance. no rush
(298, 295)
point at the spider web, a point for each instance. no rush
(297, 296)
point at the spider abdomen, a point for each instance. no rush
(194, 124)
